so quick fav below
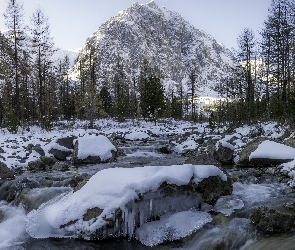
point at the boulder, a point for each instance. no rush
(271, 220)
(224, 153)
(91, 149)
(5, 172)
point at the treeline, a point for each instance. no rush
(261, 86)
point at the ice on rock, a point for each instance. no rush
(171, 228)
(227, 204)
(126, 197)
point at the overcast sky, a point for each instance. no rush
(73, 21)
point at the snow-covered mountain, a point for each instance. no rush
(163, 38)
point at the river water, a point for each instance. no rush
(226, 232)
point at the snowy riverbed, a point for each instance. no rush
(141, 142)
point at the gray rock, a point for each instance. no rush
(79, 181)
(48, 161)
(39, 150)
(201, 158)
(271, 221)
(1, 150)
(36, 166)
(5, 172)
(61, 166)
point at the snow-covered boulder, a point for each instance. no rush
(93, 149)
(116, 201)
(266, 153)
(137, 136)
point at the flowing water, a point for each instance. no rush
(226, 232)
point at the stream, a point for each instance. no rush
(225, 232)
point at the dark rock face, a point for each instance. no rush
(271, 221)
(213, 187)
(5, 172)
(66, 142)
(224, 155)
(62, 153)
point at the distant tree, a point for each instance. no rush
(152, 98)
(106, 100)
(43, 49)
(246, 43)
(14, 21)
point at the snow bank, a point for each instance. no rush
(273, 150)
(91, 145)
(176, 226)
(109, 190)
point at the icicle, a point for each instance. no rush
(151, 207)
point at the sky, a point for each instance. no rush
(73, 21)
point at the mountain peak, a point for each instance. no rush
(151, 33)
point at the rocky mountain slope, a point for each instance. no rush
(162, 38)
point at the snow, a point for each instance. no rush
(109, 190)
(136, 136)
(91, 145)
(172, 228)
(273, 150)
